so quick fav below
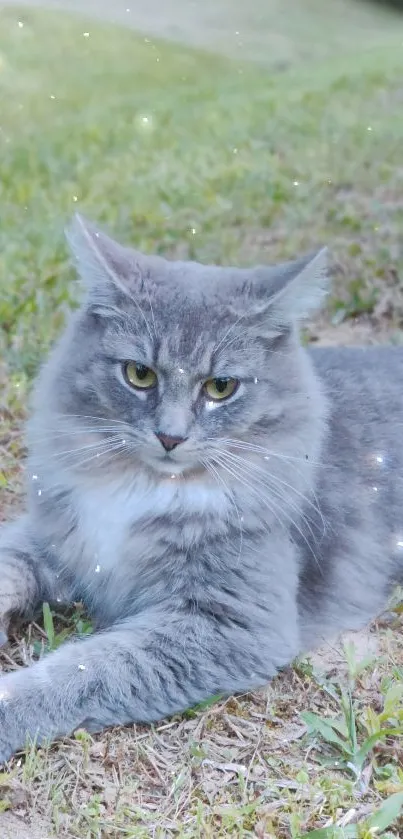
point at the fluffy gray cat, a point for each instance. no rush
(220, 498)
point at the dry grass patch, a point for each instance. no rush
(262, 765)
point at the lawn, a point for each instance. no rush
(189, 154)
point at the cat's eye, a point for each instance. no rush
(221, 388)
(139, 376)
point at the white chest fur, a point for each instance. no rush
(109, 511)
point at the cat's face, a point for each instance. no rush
(172, 361)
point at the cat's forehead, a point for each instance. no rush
(179, 333)
(192, 283)
(182, 335)
(183, 312)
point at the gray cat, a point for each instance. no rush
(220, 498)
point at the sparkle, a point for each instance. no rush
(81, 666)
(86, 34)
(369, 128)
(20, 24)
(375, 489)
(75, 197)
(97, 569)
(173, 477)
(193, 231)
(39, 492)
(34, 477)
(123, 442)
(296, 183)
(58, 599)
(266, 457)
(255, 380)
(145, 122)
(235, 151)
(52, 96)
(4, 694)
(379, 458)
(399, 543)
(180, 370)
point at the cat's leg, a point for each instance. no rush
(24, 580)
(148, 667)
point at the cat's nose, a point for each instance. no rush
(169, 442)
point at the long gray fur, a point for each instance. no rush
(276, 524)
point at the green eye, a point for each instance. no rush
(218, 389)
(139, 376)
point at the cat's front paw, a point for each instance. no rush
(7, 748)
(6, 751)
(3, 632)
(14, 728)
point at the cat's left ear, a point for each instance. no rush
(289, 292)
(102, 263)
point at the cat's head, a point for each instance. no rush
(172, 360)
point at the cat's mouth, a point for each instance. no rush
(169, 468)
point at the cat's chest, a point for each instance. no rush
(122, 519)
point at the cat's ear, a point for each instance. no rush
(103, 265)
(289, 292)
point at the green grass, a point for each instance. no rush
(259, 166)
(187, 154)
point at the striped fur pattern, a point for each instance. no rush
(277, 520)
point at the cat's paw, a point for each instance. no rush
(3, 636)
(6, 746)
(6, 752)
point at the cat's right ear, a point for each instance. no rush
(104, 266)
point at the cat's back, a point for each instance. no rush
(363, 452)
(377, 368)
(364, 385)
(359, 487)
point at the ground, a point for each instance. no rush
(214, 158)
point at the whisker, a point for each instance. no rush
(151, 306)
(241, 444)
(277, 480)
(228, 332)
(220, 480)
(281, 496)
(54, 435)
(262, 499)
(111, 450)
(246, 484)
(89, 446)
(251, 447)
(90, 417)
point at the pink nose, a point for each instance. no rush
(169, 442)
